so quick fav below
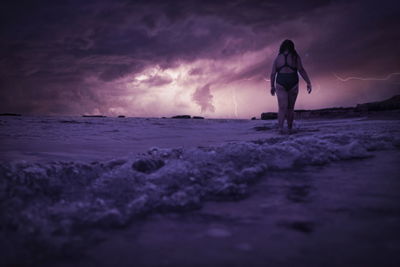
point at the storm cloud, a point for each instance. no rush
(75, 57)
(203, 98)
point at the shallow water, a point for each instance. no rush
(41, 139)
(67, 183)
(342, 214)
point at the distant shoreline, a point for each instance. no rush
(389, 108)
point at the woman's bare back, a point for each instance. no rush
(280, 61)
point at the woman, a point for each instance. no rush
(285, 68)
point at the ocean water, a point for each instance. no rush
(342, 214)
(66, 181)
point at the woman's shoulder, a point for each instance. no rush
(278, 57)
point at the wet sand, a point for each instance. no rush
(343, 214)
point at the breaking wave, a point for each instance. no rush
(51, 204)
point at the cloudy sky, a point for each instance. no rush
(209, 58)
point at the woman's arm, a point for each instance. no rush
(303, 74)
(273, 74)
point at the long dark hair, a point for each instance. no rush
(289, 45)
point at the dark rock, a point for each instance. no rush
(147, 165)
(388, 104)
(253, 119)
(9, 114)
(198, 117)
(181, 117)
(392, 103)
(121, 116)
(93, 116)
(269, 115)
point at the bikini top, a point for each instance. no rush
(285, 65)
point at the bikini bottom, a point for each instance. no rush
(287, 80)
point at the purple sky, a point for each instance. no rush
(210, 58)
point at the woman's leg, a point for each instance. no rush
(292, 96)
(282, 103)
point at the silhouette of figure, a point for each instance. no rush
(286, 87)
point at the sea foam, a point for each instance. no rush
(49, 204)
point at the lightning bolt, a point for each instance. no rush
(247, 79)
(235, 105)
(252, 79)
(319, 87)
(387, 77)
